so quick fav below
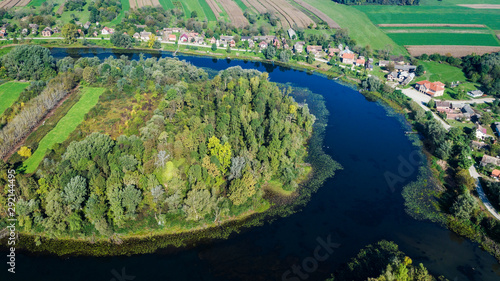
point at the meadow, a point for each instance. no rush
(443, 72)
(9, 92)
(125, 8)
(359, 25)
(208, 12)
(167, 4)
(89, 98)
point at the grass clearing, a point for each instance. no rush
(166, 4)
(125, 8)
(466, 39)
(9, 93)
(208, 12)
(436, 71)
(36, 3)
(359, 25)
(277, 187)
(67, 124)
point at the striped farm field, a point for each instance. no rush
(193, 5)
(242, 5)
(9, 92)
(208, 12)
(234, 12)
(36, 3)
(67, 124)
(470, 39)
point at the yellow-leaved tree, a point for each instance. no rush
(24, 152)
(151, 41)
(221, 151)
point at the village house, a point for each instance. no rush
(404, 78)
(360, 61)
(406, 67)
(24, 31)
(481, 132)
(169, 30)
(95, 34)
(292, 34)
(397, 60)
(348, 58)
(263, 45)
(213, 40)
(276, 42)
(479, 145)
(314, 50)
(383, 63)
(251, 44)
(184, 38)
(34, 28)
(475, 93)
(433, 89)
(245, 38)
(145, 35)
(143, 26)
(490, 160)
(46, 32)
(106, 30)
(86, 25)
(225, 40)
(455, 110)
(56, 30)
(137, 35)
(172, 37)
(495, 174)
(299, 47)
(333, 52)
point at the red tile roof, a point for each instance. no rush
(348, 56)
(495, 173)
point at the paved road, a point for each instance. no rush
(422, 100)
(480, 192)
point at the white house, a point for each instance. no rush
(475, 93)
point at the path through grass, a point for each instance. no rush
(90, 97)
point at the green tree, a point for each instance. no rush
(270, 52)
(310, 59)
(74, 192)
(214, 47)
(70, 33)
(419, 70)
(243, 188)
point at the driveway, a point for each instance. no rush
(422, 100)
(480, 192)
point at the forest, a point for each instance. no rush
(198, 152)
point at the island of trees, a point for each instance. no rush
(187, 151)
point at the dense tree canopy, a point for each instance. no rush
(29, 62)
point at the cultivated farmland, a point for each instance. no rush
(331, 23)
(235, 13)
(456, 51)
(7, 4)
(287, 13)
(9, 92)
(90, 97)
(359, 26)
(134, 4)
(472, 39)
(215, 8)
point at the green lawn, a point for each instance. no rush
(67, 124)
(444, 39)
(36, 3)
(208, 12)
(441, 72)
(9, 92)
(359, 25)
(193, 5)
(167, 4)
(125, 8)
(243, 7)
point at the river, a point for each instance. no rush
(355, 208)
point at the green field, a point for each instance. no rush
(359, 25)
(431, 14)
(208, 12)
(90, 97)
(242, 6)
(193, 5)
(125, 8)
(444, 39)
(436, 71)
(9, 92)
(36, 3)
(167, 4)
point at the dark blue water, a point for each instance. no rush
(353, 209)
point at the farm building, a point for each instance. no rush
(407, 67)
(433, 89)
(486, 160)
(475, 93)
(495, 174)
(360, 61)
(314, 50)
(481, 132)
(145, 35)
(292, 34)
(333, 52)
